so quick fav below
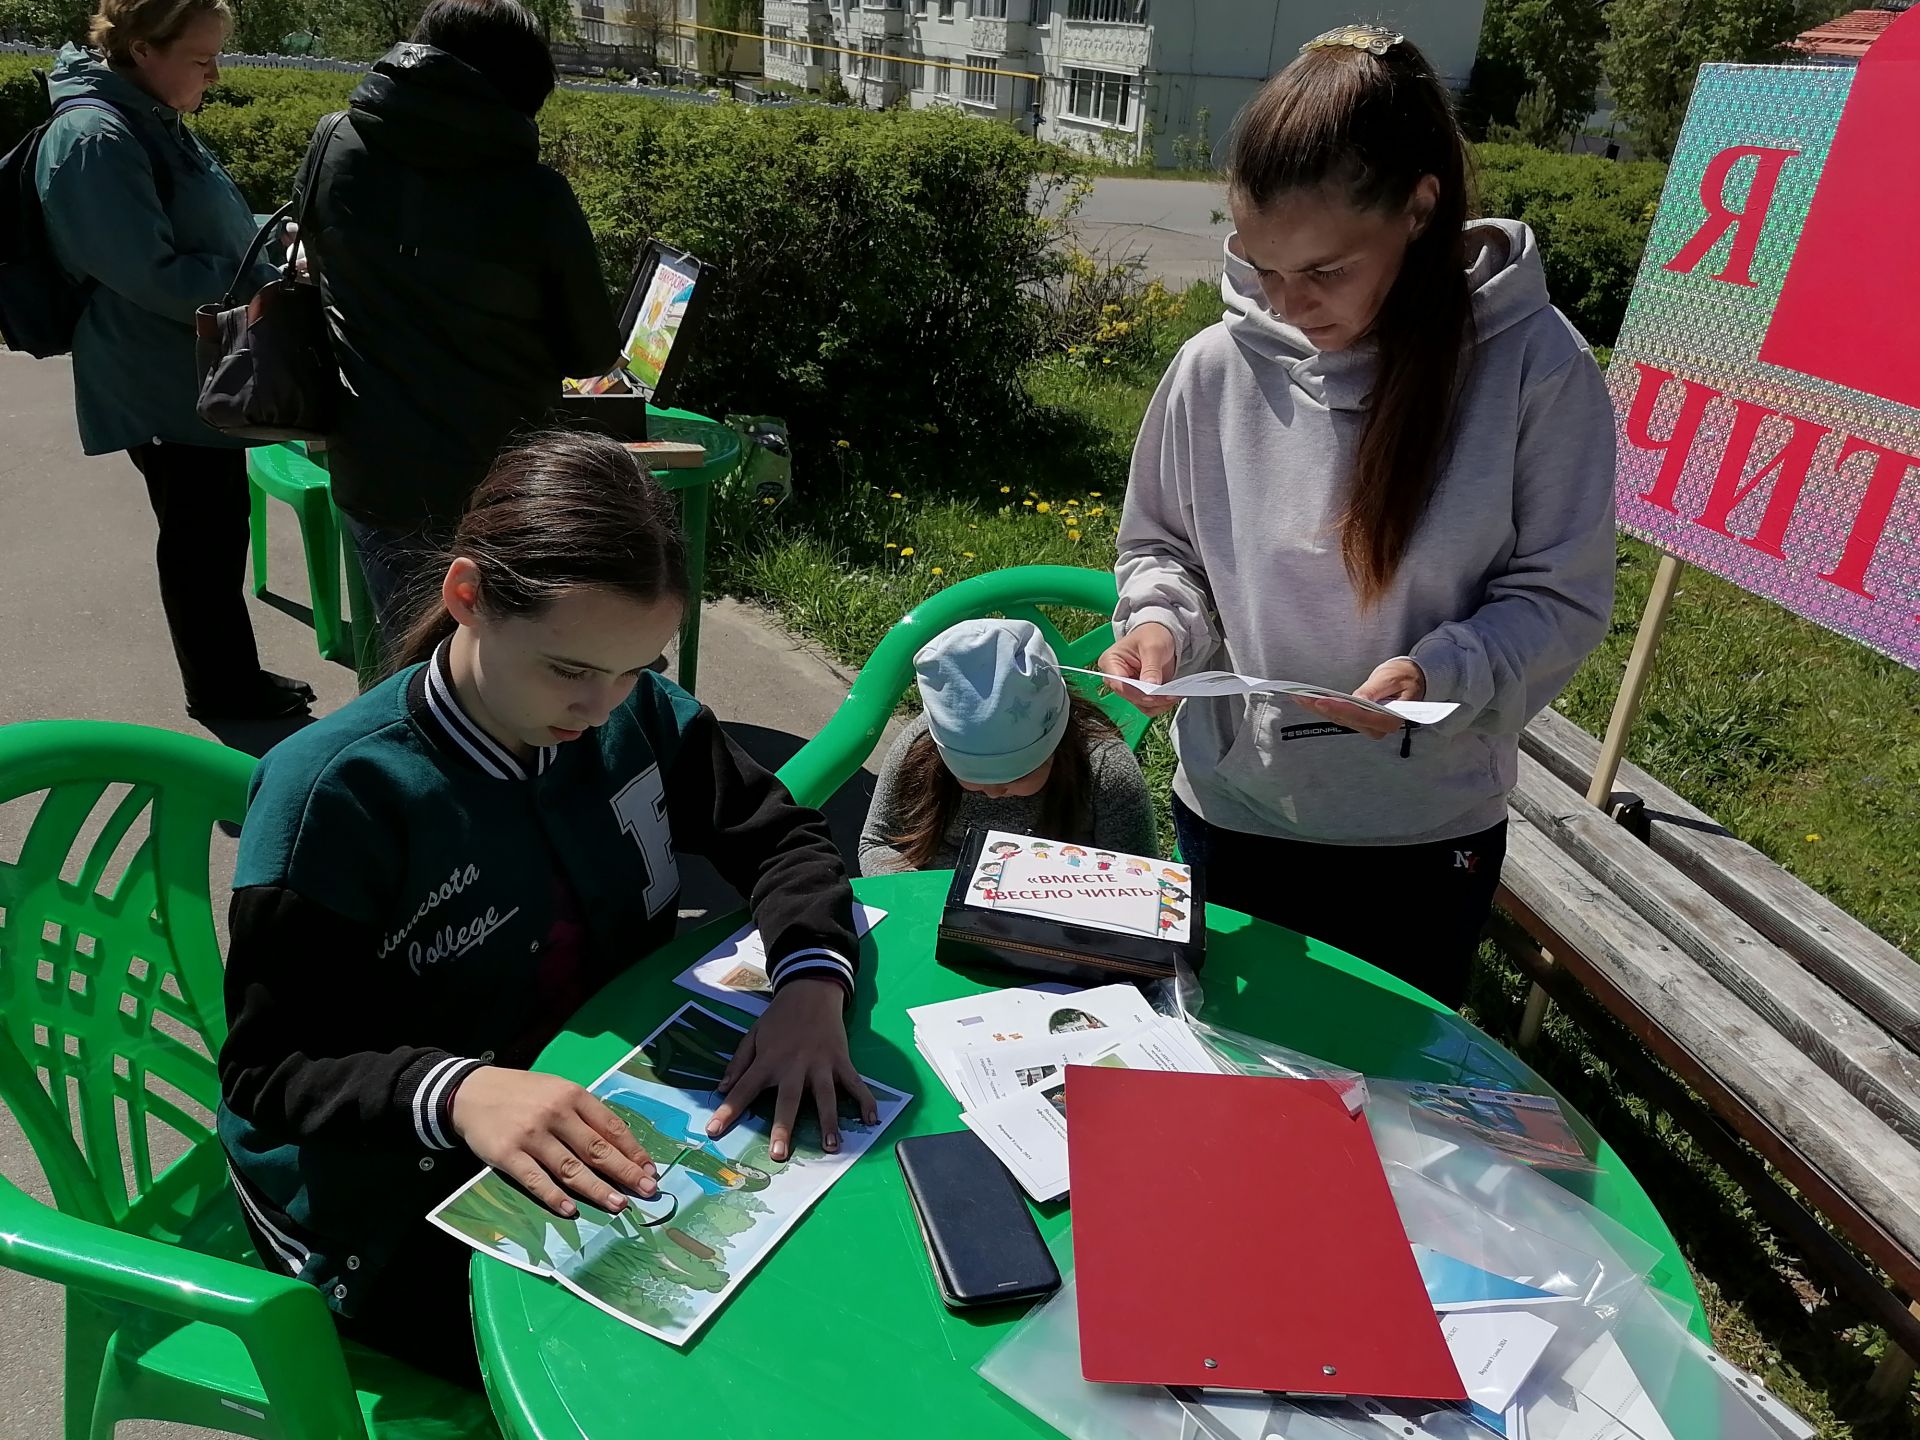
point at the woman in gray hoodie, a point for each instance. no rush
(1389, 471)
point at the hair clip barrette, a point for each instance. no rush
(1374, 39)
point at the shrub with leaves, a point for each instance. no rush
(870, 275)
(1591, 217)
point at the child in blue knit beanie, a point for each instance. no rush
(1001, 744)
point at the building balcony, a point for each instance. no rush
(1122, 47)
(877, 23)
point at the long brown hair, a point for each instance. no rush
(932, 794)
(1371, 126)
(565, 510)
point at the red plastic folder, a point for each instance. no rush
(1236, 1232)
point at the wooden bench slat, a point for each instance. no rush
(1849, 1162)
(1868, 971)
(1876, 1069)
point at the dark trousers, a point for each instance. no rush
(1415, 911)
(420, 1311)
(199, 496)
(399, 567)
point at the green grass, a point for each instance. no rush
(1779, 729)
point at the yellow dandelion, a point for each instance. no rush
(1043, 507)
(1098, 510)
(895, 495)
(1093, 494)
(906, 551)
(841, 444)
(1072, 503)
(1006, 489)
(968, 554)
(767, 500)
(892, 546)
(1073, 534)
(1027, 503)
(1813, 838)
(937, 570)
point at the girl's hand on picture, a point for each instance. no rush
(1147, 653)
(544, 1133)
(1398, 679)
(798, 1049)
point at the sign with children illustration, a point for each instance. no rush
(1131, 894)
(1766, 384)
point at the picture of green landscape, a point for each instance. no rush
(666, 1264)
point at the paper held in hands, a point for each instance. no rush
(1205, 684)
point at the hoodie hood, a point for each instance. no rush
(82, 74)
(433, 111)
(1503, 272)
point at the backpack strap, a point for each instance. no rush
(162, 172)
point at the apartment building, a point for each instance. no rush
(681, 35)
(1103, 75)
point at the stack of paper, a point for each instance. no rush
(1004, 1056)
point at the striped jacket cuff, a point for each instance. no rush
(815, 964)
(433, 1101)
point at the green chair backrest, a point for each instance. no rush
(832, 757)
(111, 1008)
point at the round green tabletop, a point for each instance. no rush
(840, 1332)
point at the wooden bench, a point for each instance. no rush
(1796, 1024)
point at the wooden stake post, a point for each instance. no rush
(1626, 708)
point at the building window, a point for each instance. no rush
(942, 80)
(777, 42)
(946, 9)
(828, 60)
(982, 89)
(1042, 14)
(1113, 12)
(987, 9)
(1100, 95)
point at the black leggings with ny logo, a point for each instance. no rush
(1415, 911)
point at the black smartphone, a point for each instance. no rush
(980, 1236)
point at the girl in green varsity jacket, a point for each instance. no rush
(432, 880)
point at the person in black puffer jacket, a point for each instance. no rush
(460, 276)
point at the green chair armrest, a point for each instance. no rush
(283, 1322)
(831, 758)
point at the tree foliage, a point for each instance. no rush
(1543, 54)
(1656, 47)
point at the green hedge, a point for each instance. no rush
(1591, 216)
(873, 276)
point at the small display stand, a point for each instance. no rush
(663, 305)
(1073, 912)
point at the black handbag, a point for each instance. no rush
(267, 370)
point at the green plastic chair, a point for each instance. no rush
(111, 1014)
(283, 472)
(832, 757)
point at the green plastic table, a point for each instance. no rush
(695, 487)
(841, 1333)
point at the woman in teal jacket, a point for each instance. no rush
(138, 210)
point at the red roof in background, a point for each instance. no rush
(1846, 37)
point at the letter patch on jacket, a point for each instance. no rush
(642, 808)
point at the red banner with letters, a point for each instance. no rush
(1766, 384)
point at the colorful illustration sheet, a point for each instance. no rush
(1528, 1128)
(1131, 894)
(666, 1265)
(662, 312)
